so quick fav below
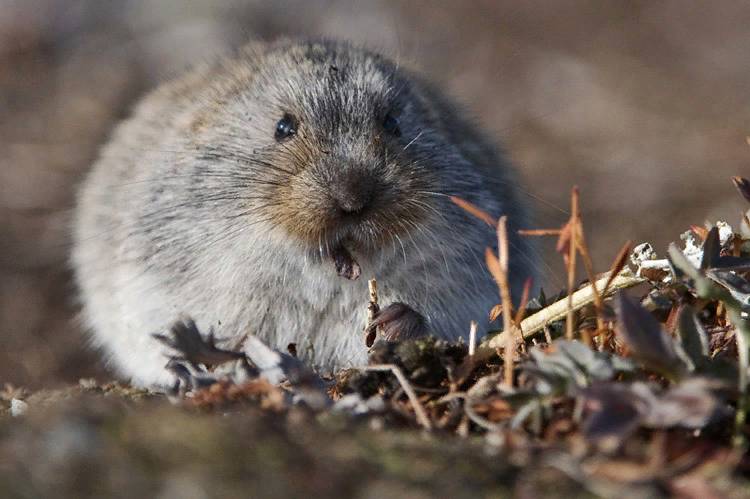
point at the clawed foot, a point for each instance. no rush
(398, 321)
(193, 355)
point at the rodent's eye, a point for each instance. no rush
(390, 125)
(286, 127)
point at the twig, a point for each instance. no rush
(472, 338)
(474, 210)
(539, 232)
(503, 257)
(583, 249)
(573, 227)
(372, 310)
(521, 312)
(373, 307)
(477, 419)
(547, 334)
(410, 393)
(469, 410)
(558, 310)
(614, 270)
(618, 264)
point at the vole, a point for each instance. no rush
(230, 191)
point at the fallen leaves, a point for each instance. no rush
(635, 389)
(617, 410)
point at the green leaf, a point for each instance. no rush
(692, 335)
(647, 340)
(711, 249)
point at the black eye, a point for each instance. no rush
(285, 128)
(390, 125)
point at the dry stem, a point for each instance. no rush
(618, 264)
(573, 227)
(372, 310)
(474, 210)
(408, 390)
(558, 310)
(580, 242)
(472, 337)
(505, 297)
(539, 232)
(373, 307)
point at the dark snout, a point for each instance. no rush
(352, 190)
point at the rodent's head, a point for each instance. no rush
(338, 144)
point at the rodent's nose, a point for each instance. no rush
(353, 191)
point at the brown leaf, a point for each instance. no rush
(495, 409)
(654, 274)
(743, 185)
(224, 393)
(496, 312)
(699, 231)
(493, 264)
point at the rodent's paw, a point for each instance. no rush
(190, 345)
(398, 321)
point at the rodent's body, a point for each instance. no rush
(225, 193)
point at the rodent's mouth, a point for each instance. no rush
(339, 253)
(332, 244)
(345, 247)
(370, 210)
(361, 235)
(374, 234)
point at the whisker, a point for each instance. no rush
(413, 140)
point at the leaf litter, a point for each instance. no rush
(635, 380)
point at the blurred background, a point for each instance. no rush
(642, 104)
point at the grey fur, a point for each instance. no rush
(194, 208)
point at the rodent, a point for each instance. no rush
(226, 192)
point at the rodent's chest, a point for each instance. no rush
(269, 286)
(297, 311)
(290, 287)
